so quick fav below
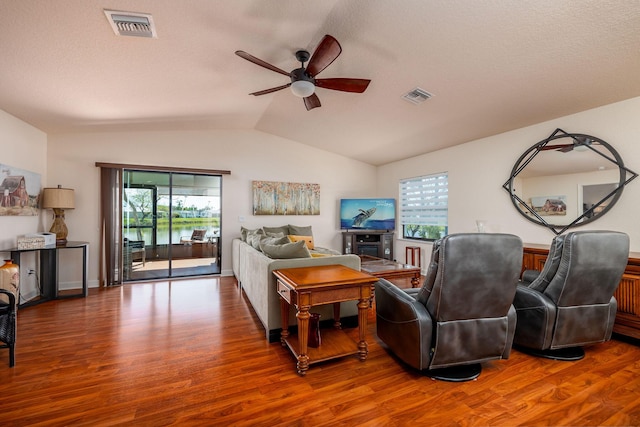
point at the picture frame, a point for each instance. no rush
(285, 198)
(550, 205)
(19, 192)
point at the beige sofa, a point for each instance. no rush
(253, 270)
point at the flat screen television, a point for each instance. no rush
(368, 214)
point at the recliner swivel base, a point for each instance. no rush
(458, 373)
(568, 354)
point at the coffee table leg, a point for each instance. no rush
(415, 280)
(284, 319)
(303, 337)
(363, 306)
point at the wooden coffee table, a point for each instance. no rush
(389, 270)
(325, 284)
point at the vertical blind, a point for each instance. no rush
(110, 226)
(424, 200)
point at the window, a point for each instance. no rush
(162, 213)
(424, 207)
(153, 207)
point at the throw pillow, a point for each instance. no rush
(297, 230)
(307, 239)
(288, 250)
(284, 229)
(270, 234)
(244, 232)
(271, 240)
(254, 240)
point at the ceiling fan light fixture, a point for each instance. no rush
(302, 88)
(582, 145)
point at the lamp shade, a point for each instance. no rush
(58, 198)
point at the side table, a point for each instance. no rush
(327, 284)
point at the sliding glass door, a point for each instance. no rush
(170, 224)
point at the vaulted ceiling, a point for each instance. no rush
(491, 65)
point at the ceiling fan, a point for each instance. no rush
(303, 80)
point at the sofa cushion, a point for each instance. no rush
(288, 250)
(284, 229)
(307, 239)
(297, 230)
(325, 251)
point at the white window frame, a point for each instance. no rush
(424, 204)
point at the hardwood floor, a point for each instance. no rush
(192, 352)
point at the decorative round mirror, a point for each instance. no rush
(566, 180)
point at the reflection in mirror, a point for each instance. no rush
(592, 196)
(567, 180)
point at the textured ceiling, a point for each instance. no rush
(492, 65)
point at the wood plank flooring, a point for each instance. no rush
(192, 352)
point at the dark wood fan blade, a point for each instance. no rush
(563, 147)
(273, 89)
(260, 62)
(312, 102)
(345, 85)
(326, 52)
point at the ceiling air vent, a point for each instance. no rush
(131, 24)
(417, 96)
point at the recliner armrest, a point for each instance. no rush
(397, 305)
(11, 297)
(536, 317)
(529, 276)
(530, 298)
(403, 324)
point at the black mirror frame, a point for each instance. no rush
(533, 151)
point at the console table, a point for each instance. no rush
(628, 292)
(305, 287)
(49, 267)
(377, 244)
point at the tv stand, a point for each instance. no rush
(374, 243)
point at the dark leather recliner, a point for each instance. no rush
(463, 314)
(571, 303)
(539, 280)
(8, 323)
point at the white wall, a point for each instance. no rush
(249, 155)
(478, 169)
(23, 147)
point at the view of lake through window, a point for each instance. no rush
(168, 218)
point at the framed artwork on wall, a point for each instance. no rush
(550, 205)
(285, 198)
(19, 191)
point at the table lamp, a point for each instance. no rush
(58, 199)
